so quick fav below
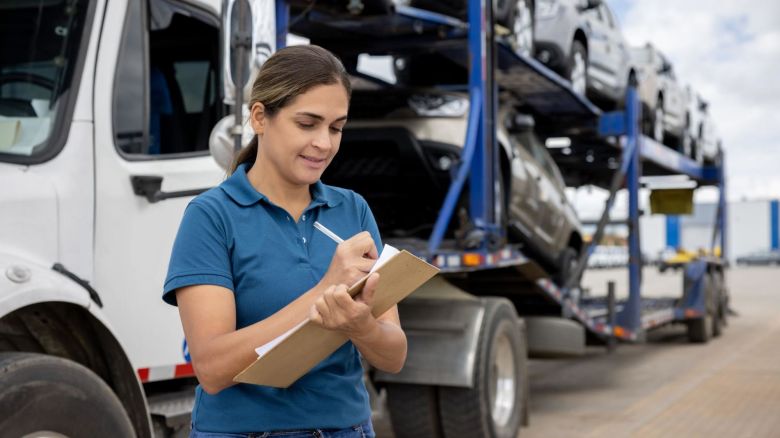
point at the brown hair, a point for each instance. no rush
(288, 73)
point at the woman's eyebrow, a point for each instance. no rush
(317, 116)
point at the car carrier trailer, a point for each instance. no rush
(464, 372)
(84, 228)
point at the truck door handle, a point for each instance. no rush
(149, 186)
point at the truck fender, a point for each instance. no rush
(442, 337)
(24, 283)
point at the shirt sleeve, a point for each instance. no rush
(200, 253)
(368, 223)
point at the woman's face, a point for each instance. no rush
(303, 137)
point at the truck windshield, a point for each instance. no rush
(39, 43)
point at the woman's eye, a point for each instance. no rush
(335, 129)
(306, 125)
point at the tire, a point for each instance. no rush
(718, 313)
(701, 330)
(521, 25)
(414, 410)
(495, 406)
(566, 265)
(577, 70)
(40, 393)
(658, 121)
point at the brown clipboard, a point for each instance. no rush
(307, 346)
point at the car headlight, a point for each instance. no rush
(547, 9)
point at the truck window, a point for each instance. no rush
(39, 52)
(169, 66)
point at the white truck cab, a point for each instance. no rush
(105, 114)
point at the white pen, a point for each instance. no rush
(328, 232)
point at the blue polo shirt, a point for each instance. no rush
(233, 236)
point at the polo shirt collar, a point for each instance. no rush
(238, 187)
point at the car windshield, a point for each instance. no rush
(39, 40)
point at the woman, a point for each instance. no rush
(248, 265)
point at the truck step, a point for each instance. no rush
(174, 408)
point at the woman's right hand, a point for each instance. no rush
(352, 261)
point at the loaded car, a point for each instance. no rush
(581, 41)
(402, 155)
(705, 145)
(664, 104)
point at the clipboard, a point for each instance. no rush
(309, 344)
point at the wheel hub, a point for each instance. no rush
(503, 376)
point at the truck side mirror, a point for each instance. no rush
(248, 40)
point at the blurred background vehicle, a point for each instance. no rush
(760, 258)
(605, 256)
(664, 104)
(582, 41)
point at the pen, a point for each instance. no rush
(328, 232)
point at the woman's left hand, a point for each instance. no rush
(337, 310)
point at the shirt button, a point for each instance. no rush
(304, 240)
(303, 217)
(288, 218)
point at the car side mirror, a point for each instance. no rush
(590, 4)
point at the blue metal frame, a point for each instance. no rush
(774, 224)
(478, 164)
(630, 316)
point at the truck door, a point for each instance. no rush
(156, 99)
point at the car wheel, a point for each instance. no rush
(566, 266)
(578, 68)
(522, 27)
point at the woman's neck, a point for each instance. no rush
(266, 179)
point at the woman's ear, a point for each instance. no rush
(257, 117)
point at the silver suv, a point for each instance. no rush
(581, 40)
(664, 100)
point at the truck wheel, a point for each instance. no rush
(414, 410)
(44, 395)
(495, 406)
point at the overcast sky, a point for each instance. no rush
(729, 51)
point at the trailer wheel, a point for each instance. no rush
(717, 304)
(44, 395)
(701, 329)
(495, 406)
(414, 410)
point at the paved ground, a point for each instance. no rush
(668, 387)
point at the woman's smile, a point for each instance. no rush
(314, 162)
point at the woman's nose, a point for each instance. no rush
(322, 140)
